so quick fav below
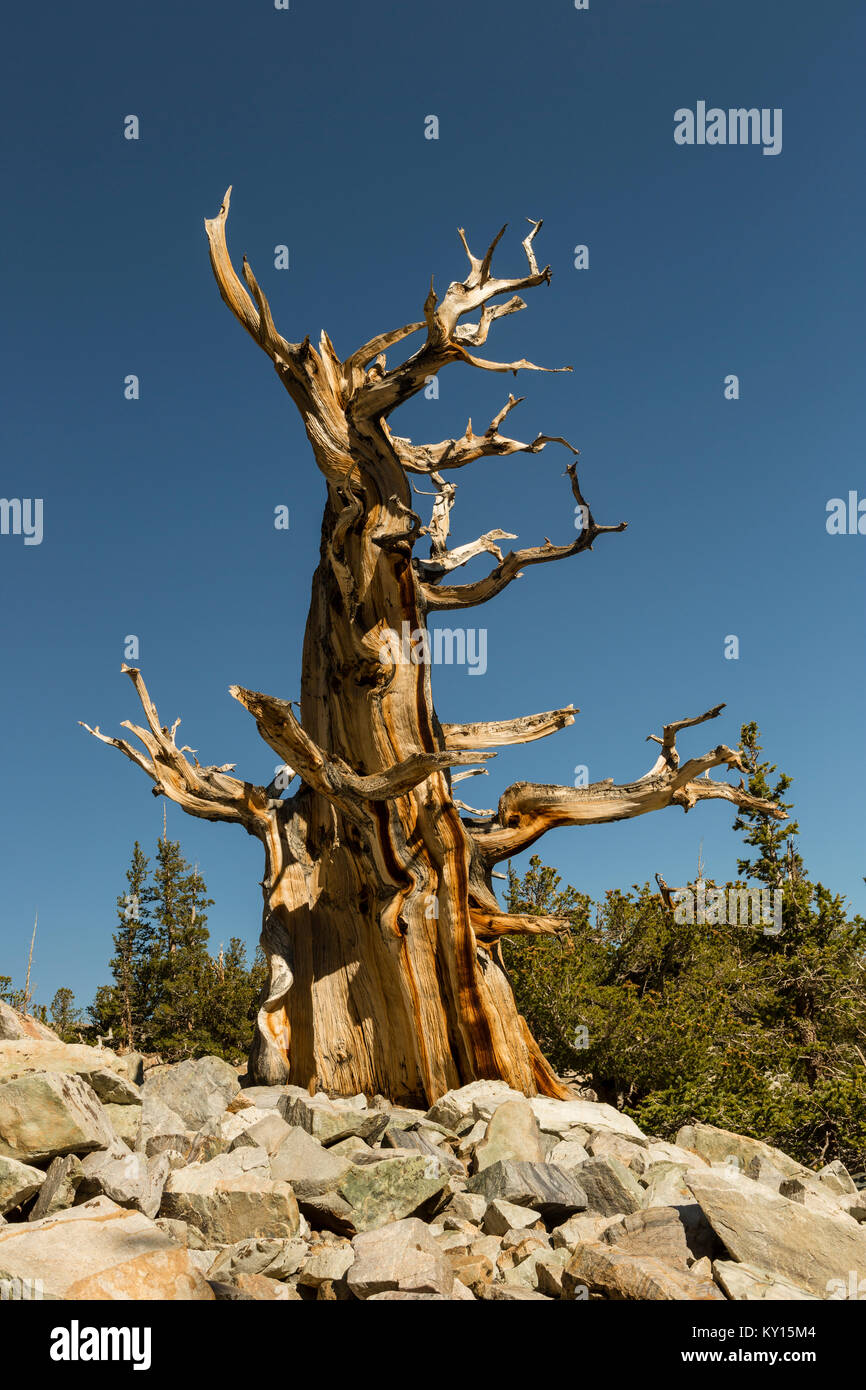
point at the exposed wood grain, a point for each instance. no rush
(380, 925)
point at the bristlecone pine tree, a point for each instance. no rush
(380, 926)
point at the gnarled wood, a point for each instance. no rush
(498, 732)
(380, 925)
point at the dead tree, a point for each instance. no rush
(380, 926)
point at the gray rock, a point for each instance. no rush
(512, 1134)
(95, 1065)
(230, 1293)
(157, 1118)
(471, 1138)
(836, 1178)
(182, 1233)
(329, 1122)
(477, 1101)
(657, 1232)
(73, 1245)
(501, 1217)
(762, 1170)
(347, 1148)
(262, 1097)
(760, 1228)
(175, 1147)
(232, 1198)
(268, 1133)
(326, 1264)
(541, 1270)
(809, 1191)
(134, 1067)
(405, 1117)
(604, 1269)
(59, 1188)
(278, 1259)
(46, 1114)
(391, 1189)
(196, 1090)
(362, 1158)
(611, 1190)
(566, 1154)
(18, 1183)
(660, 1151)
(542, 1186)
(415, 1141)
(559, 1116)
(578, 1229)
(112, 1087)
(604, 1143)
(466, 1206)
(125, 1121)
(665, 1185)
(735, 1150)
(228, 1131)
(747, 1283)
(130, 1179)
(310, 1168)
(401, 1257)
(328, 1212)
(15, 1025)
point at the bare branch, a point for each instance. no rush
(207, 792)
(330, 775)
(255, 318)
(442, 560)
(476, 333)
(438, 566)
(669, 756)
(492, 926)
(469, 595)
(354, 366)
(447, 339)
(470, 772)
(440, 520)
(527, 810)
(473, 810)
(456, 453)
(525, 728)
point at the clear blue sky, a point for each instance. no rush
(158, 513)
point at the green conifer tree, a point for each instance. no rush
(176, 901)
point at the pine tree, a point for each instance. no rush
(64, 1017)
(176, 901)
(126, 1006)
(13, 997)
(816, 963)
(722, 1022)
(231, 1002)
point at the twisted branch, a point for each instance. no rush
(527, 810)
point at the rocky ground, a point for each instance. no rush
(182, 1185)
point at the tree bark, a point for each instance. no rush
(380, 925)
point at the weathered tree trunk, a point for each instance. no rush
(380, 925)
